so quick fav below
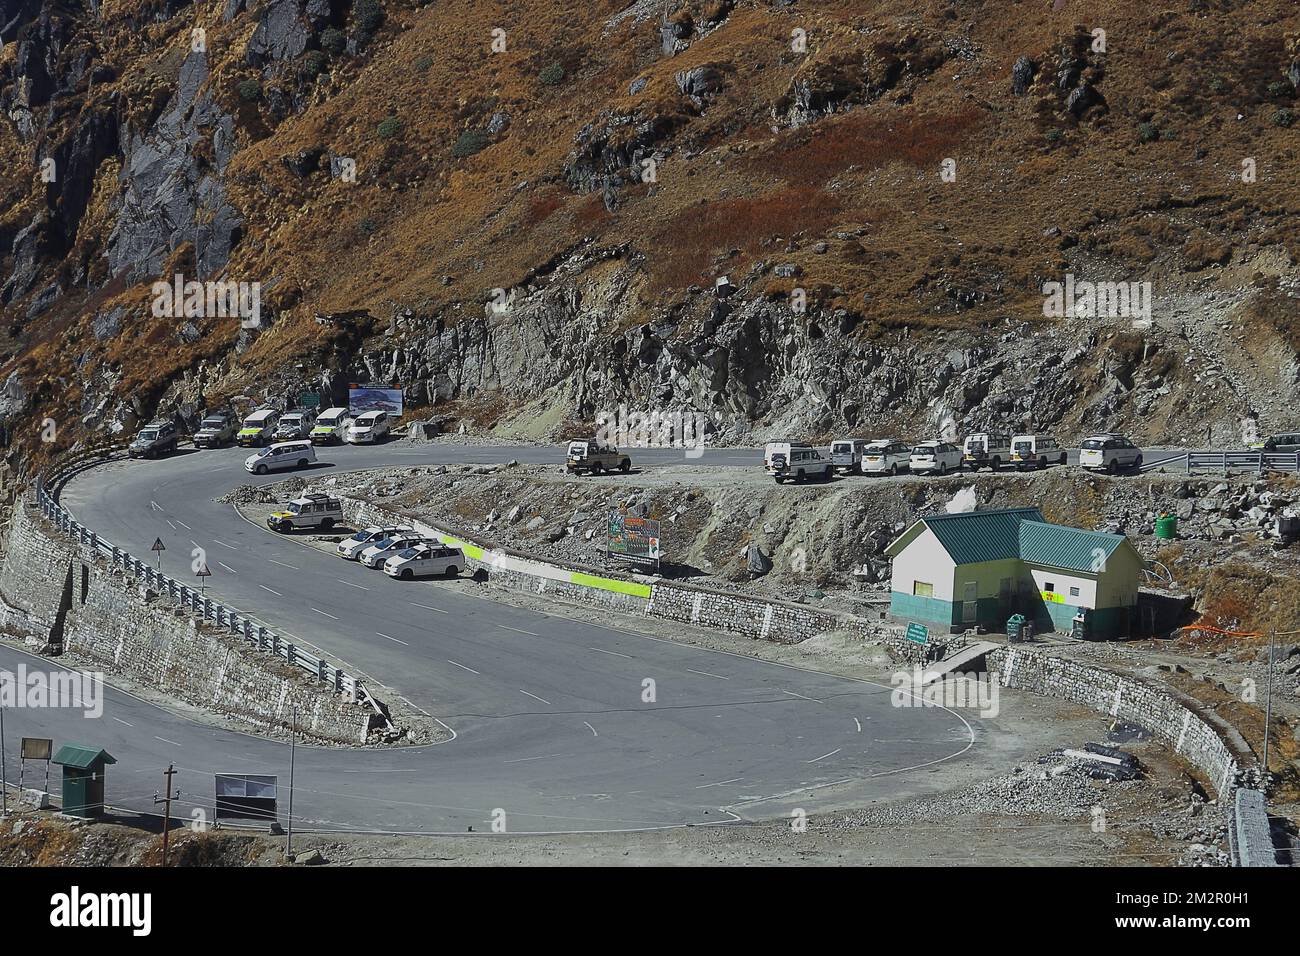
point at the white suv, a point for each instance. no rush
(887, 456)
(309, 511)
(376, 554)
(802, 463)
(350, 549)
(936, 456)
(1109, 453)
(424, 560)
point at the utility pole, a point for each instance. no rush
(167, 810)
(293, 739)
(1268, 705)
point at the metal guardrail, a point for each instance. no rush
(234, 622)
(1260, 461)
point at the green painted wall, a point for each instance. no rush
(934, 610)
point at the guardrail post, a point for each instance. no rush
(275, 644)
(248, 630)
(94, 540)
(290, 652)
(338, 681)
(320, 669)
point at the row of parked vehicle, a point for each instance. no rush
(398, 551)
(799, 461)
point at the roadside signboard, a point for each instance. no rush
(366, 399)
(309, 400)
(246, 795)
(634, 540)
(918, 633)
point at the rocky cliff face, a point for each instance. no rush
(797, 218)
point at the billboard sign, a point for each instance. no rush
(363, 398)
(634, 540)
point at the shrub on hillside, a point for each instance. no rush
(250, 91)
(1147, 132)
(552, 75)
(390, 127)
(368, 15)
(1283, 118)
(333, 41)
(468, 143)
(314, 63)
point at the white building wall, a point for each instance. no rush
(1062, 581)
(924, 559)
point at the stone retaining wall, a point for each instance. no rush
(1171, 721)
(59, 594)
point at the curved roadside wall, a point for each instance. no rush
(59, 596)
(1174, 721)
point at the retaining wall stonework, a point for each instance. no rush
(60, 595)
(1170, 720)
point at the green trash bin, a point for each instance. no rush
(1016, 628)
(1167, 526)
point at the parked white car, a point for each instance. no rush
(376, 554)
(803, 462)
(295, 424)
(886, 456)
(1109, 453)
(939, 457)
(425, 560)
(985, 450)
(331, 427)
(846, 454)
(1036, 451)
(368, 427)
(280, 456)
(350, 549)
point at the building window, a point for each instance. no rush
(1049, 587)
(1074, 592)
(922, 589)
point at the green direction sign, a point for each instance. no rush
(918, 633)
(309, 400)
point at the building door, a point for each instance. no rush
(970, 603)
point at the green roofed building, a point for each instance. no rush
(976, 568)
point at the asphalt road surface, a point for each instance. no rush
(550, 722)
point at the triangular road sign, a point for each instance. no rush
(203, 572)
(158, 545)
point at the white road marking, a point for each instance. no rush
(166, 741)
(224, 545)
(169, 522)
(535, 697)
(326, 613)
(121, 721)
(824, 756)
(183, 525)
(611, 653)
(857, 723)
(591, 728)
(265, 588)
(283, 565)
(707, 674)
(393, 639)
(360, 587)
(462, 666)
(801, 696)
(720, 783)
(228, 568)
(539, 757)
(412, 770)
(428, 608)
(153, 505)
(518, 630)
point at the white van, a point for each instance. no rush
(1036, 451)
(886, 456)
(296, 423)
(368, 427)
(800, 463)
(331, 425)
(281, 455)
(986, 450)
(425, 560)
(846, 454)
(783, 448)
(257, 427)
